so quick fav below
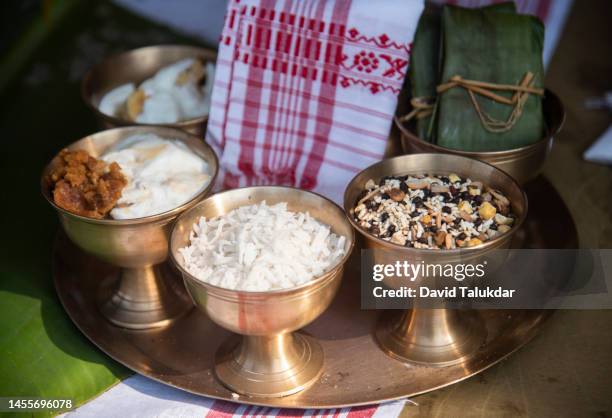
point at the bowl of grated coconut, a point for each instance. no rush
(263, 262)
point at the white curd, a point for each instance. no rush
(162, 174)
(114, 100)
(166, 101)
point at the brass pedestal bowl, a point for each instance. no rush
(269, 359)
(440, 336)
(147, 293)
(523, 164)
(135, 66)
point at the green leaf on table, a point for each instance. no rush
(42, 352)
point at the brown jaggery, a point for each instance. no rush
(85, 185)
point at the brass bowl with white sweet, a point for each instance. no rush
(145, 292)
(143, 65)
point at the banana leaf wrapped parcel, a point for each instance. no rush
(424, 71)
(488, 74)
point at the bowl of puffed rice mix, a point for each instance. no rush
(435, 203)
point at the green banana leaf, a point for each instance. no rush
(43, 354)
(424, 71)
(493, 47)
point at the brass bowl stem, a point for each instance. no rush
(145, 297)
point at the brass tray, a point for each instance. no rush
(356, 370)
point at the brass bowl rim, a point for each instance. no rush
(233, 293)
(214, 164)
(454, 251)
(87, 96)
(501, 153)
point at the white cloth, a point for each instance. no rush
(305, 90)
(601, 150)
(140, 397)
